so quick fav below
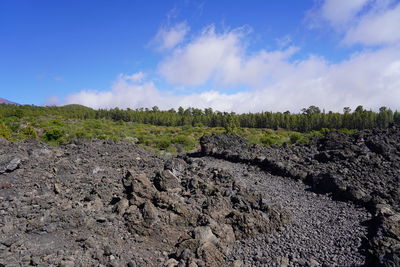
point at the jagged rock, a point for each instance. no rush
(166, 180)
(122, 206)
(237, 263)
(9, 163)
(149, 214)
(204, 234)
(139, 185)
(14, 164)
(210, 254)
(176, 165)
(171, 263)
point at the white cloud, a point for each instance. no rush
(370, 79)
(376, 28)
(364, 22)
(222, 58)
(168, 38)
(125, 92)
(198, 60)
(274, 81)
(339, 12)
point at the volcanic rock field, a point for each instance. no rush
(332, 202)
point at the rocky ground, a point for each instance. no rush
(320, 230)
(362, 168)
(333, 202)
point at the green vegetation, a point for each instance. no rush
(5, 131)
(28, 132)
(178, 131)
(231, 124)
(56, 130)
(311, 118)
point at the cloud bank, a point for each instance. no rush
(365, 22)
(378, 27)
(274, 81)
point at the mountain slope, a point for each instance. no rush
(5, 101)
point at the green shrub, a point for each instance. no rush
(82, 135)
(267, 140)
(314, 133)
(253, 140)
(29, 132)
(325, 130)
(183, 140)
(5, 132)
(163, 144)
(186, 127)
(268, 131)
(231, 125)
(13, 123)
(348, 131)
(198, 124)
(19, 113)
(53, 134)
(295, 137)
(102, 136)
(298, 138)
(57, 123)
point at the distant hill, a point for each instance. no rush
(5, 101)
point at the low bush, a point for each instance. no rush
(29, 132)
(5, 132)
(186, 141)
(348, 131)
(13, 123)
(163, 143)
(268, 140)
(53, 134)
(186, 127)
(82, 135)
(57, 123)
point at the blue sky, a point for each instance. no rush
(230, 55)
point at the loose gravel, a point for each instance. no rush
(322, 231)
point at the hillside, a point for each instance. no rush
(5, 101)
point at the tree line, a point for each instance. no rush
(311, 118)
